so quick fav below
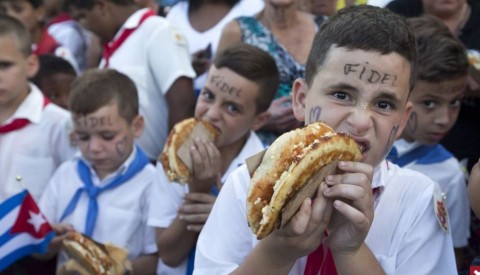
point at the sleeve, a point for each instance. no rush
(168, 56)
(169, 197)
(226, 240)
(426, 248)
(458, 209)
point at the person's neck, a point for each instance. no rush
(278, 17)
(120, 15)
(456, 21)
(7, 110)
(229, 153)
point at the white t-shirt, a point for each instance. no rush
(153, 56)
(164, 211)
(123, 210)
(178, 15)
(441, 166)
(405, 236)
(35, 151)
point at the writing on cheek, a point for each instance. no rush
(315, 113)
(412, 123)
(391, 138)
(93, 122)
(121, 146)
(223, 86)
(370, 75)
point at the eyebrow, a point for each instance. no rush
(383, 94)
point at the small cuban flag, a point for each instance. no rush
(23, 229)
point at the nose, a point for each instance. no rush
(443, 116)
(359, 121)
(214, 112)
(95, 145)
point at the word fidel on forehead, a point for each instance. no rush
(370, 75)
(93, 121)
(223, 86)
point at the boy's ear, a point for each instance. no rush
(32, 65)
(260, 120)
(138, 125)
(299, 95)
(406, 116)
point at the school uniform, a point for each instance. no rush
(153, 54)
(405, 236)
(35, 150)
(47, 44)
(122, 211)
(165, 210)
(441, 166)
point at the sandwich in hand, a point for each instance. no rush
(90, 257)
(291, 170)
(175, 157)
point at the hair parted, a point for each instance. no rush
(441, 56)
(364, 28)
(97, 88)
(255, 65)
(10, 26)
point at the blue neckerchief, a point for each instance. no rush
(139, 162)
(424, 155)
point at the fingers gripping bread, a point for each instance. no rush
(286, 168)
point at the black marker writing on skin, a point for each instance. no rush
(223, 86)
(370, 75)
(315, 113)
(92, 121)
(120, 146)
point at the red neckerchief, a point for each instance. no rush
(46, 45)
(110, 48)
(321, 260)
(19, 123)
(63, 17)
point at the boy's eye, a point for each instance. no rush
(341, 95)
(83, 137)
(385, 105)
(207, 95)
(233, 108)
(429, 104)
(5, 65)
(456, 103)
(108, 136)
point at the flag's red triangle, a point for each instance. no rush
(30, 220)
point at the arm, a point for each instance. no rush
(181, 100)
(176, 241)
(474, 188)
(231, 34)
(145, 264)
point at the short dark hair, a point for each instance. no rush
(365, 28)
(13, 27)
(97, 88)
(35, 3)
(88, 4)
(441, 56)
(254, 64)
(51, 64)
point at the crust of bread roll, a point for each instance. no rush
(88, 254)
(173, 165)
(286, 170)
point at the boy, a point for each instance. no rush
(34, 138)
(436, 98)
(32, 14)
(54, 79)
(153, 54)
(104, 106)
(239, 89)
(359, 72)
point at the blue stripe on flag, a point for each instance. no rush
(11, 203)
(6, 237)
(26, 250)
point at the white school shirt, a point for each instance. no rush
(123, 210)
(405, 236)
(35, 151)
(166, 207)
(448, 173)
(178, 15)
(153, 56)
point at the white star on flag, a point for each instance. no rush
(36, 219)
